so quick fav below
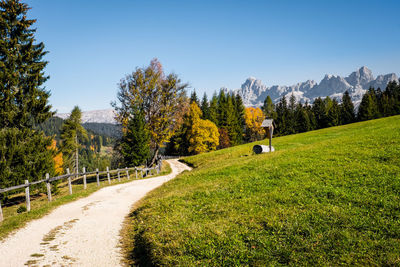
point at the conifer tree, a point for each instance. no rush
(239, 118)
(134, 144)
(24, 152)
(213, 110)
(23, 101)
(194, 98)
(282, 114)
(368, 109)
(230, 120)
(319, 111)
(347, 113)
(311, 116)
(302, 119)
(72, 133)
(222, 109)
(333, 113)
(205, 108)
(269, 108)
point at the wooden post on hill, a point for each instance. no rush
(108, 175)
(119, 177)
(69, 182)
(48, 187)
(97, 177)
(84, 177)
(28, 200)
(268, 125)
(136, 172)
(127, 172)
(1, 213)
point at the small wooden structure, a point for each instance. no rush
(267, 124)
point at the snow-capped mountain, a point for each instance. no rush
(254, 92)
(98, 116)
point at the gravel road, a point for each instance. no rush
(81, 233)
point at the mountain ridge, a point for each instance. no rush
(254, 92)
(94, 116)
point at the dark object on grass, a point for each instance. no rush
(258, 149)
(21, 209)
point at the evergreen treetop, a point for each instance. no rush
(23, 101)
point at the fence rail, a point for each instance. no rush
(83, 175)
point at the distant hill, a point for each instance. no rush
(53, 127)
(108, 129)
(254, 92)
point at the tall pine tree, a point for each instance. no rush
(213, 110)
(269, 108)
(23, 100)
(205, 108)
(347, 113)
(24, 152)
(72, 134)
(134, 144)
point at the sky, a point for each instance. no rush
(93, 44)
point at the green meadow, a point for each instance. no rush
(326, 197)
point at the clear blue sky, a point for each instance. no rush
(209, 44)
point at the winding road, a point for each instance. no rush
(81, 233)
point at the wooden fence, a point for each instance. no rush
(83, 175)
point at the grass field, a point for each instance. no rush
(40, 205)
(326, 197)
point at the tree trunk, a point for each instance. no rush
(153, 160)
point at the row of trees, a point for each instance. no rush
(292, 117)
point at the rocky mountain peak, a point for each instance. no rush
(254, 92)
(362, 77)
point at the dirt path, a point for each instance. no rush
(81, 233)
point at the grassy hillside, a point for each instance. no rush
(325, 197)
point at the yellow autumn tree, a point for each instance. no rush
(253, 119)
(57, 159)
(203, 135)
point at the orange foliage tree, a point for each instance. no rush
(57, 159)
(253, 119)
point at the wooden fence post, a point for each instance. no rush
(97, 177)
(69, 182)
(141, 172)
(136, 172)
(119, 178)
(48, 187)
(108, 175)
(84, 177)
(1, 213)
(28, 200)
(127, 172)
